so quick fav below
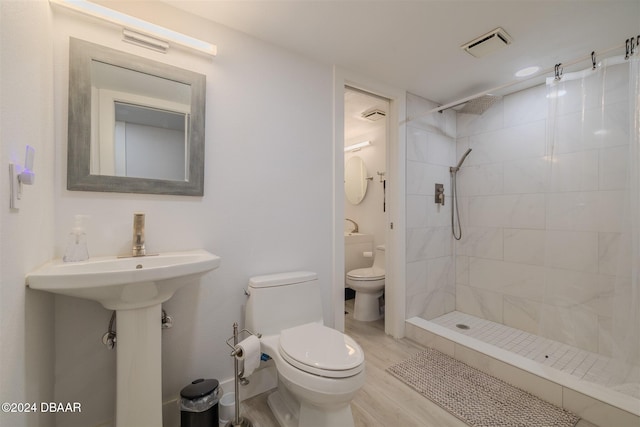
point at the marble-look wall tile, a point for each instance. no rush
(508, 144)
(417, 109)
(438, 215)
(416, 144)
(605, 335)
(574, 326)
(486, 211)
(522, 314)
(440, 149)
(590, 129)
(430, 287)
(416, 304)
(422, 176)
(567, 288)
(525, 106)
(613, 213)
(430, 242)
(417, 207)
(544, 210)
(473, 124)
(612, 169)
(479, 302)
(416, 280)
(438, 303)
(524, 246)
(573, 211)
(483, 242)
(511, 211)
(462, 270)
(576, 171)
(480, 180)
(441, 272)
(573, 250)
(526, 176)
(508, 278)
(524, 211)
(613, 257)
(431, 150)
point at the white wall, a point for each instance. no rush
(369, 214)
(26, 235)
(267, 205)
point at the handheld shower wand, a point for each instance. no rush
(453, 170)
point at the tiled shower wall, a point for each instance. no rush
(539, 240)
(431, 149)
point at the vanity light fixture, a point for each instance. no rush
(137, 31)
(144, 41)
(358, 146)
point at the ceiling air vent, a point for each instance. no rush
(487, 43)
(374, 114)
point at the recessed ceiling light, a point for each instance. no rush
(525, 72)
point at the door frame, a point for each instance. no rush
(395, 290)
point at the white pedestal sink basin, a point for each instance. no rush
(135, 288)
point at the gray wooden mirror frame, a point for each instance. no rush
(79, 178)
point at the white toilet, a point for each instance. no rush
(369, 286)
(319, 369)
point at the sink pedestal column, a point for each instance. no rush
(139, 367)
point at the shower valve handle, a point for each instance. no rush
(439, 193)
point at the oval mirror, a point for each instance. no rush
(355, 180)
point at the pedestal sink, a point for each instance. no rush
(135, 288)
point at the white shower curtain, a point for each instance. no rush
(593, 162)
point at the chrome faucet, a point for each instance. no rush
(138, 235)
(355, 230)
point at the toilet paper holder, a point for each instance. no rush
(238, 375)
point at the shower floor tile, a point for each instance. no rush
(579, 363)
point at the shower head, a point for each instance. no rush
(454, 169)
(479, 105)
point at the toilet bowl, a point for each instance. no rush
(319, 369)
(369, 286)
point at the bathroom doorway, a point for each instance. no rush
(366, 138)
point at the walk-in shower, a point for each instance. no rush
(546, 276)
(455, 211)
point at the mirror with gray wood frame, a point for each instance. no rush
(135, 125)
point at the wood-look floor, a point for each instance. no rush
(384, 401)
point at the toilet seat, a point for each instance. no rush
(322, 351)
(366, 274)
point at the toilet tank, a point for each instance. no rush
(283, 300)
(380, 260)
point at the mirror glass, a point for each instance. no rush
(135, 125)
(355, 182)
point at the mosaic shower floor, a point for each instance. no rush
(582, 364)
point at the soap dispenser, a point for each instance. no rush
(77, 243)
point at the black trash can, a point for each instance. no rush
(199, 404)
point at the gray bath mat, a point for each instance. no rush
(478, 399)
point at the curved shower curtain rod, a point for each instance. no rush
(551, 70)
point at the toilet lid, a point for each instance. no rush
(320, 350)
(369, 273)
